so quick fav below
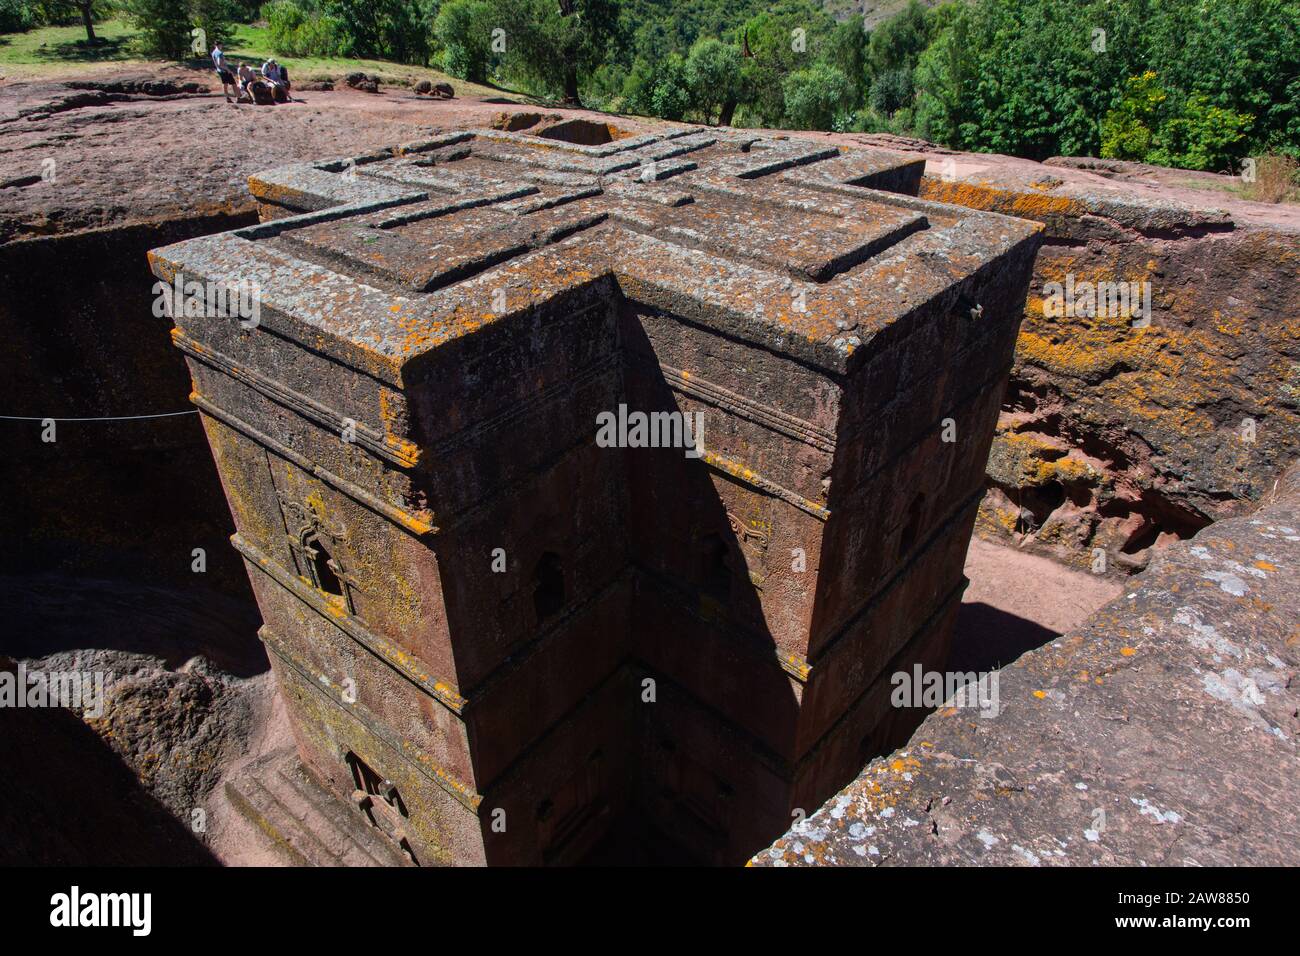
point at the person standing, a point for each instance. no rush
(223, 71)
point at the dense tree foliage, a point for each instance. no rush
(384, 29)
(1044, 77)
(713, 78)
(16, 16)
(167, 26)
(464, 28)
(551, 45)
(303, 30)
(1195, 83)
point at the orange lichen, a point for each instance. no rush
(997, 199)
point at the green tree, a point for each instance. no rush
(786, 38)
(296, 30)
(943, 79)
(713, 78)
(169, 28)
(846, 49)
(1041, 77)
(164, 26)
(639, 88)
(552, 43)
(891, 91)
(63, 11)
(816, 97)
(898, 42)
(1242, 56)
(1150, 125)
(1128, 132)
(1203, 136)
(661, 90)
(672, 93)
(384, 29)
(465, 29)
(1026, 77)
(16, 16)
(215, 21)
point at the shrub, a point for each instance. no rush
(16, 16)
(1150, 125)
(296, 30)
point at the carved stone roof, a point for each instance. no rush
(380, 258)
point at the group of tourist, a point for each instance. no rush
(271, 85)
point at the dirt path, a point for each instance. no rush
(1018, 601)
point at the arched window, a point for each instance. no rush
(715, 567)
(911, 525)
(322, 566)
(548, 586)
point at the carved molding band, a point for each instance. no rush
(417, 523)
(402, 453)
(747, 408)
(396, 658)
(747, 475)
(477, 434)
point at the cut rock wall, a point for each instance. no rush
(125, 498)
(1162, 732)
(121, 499)
(1120, 437)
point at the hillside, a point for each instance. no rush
(873, 11)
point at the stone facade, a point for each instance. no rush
(509, 644)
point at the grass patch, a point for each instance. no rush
(60, 46)
(53, 52)
(1277, 179)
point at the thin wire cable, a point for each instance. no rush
(104, 418)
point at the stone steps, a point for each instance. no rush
(308, 825)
